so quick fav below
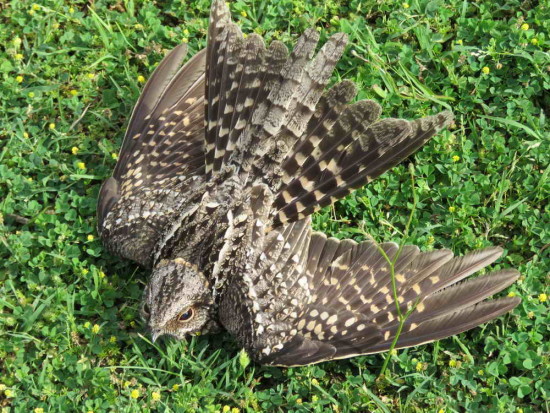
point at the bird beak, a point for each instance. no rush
(155, 334)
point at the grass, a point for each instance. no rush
(70, 335)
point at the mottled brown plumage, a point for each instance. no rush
(223, 163)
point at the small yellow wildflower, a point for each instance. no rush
(71, 10)
(36, 6)
(243, 13)
(419, 366)
(31, 12)
(155, 396)
(486, 70)
(9, 393)
(393, 352)
(315, 382)
(525, 27)
(456, 158)
(134, 394)
(314, 398)
(73, 92)
(90, 75)
(132, 324)
(299, 401)
(81, 165)
(226, 409)
(114, 156)
(29, 179)
(138, 26)
(55, 26)
(30, 94)
(543, 297)
(51, 126)
(19, 79)
(430, 240)
(534, 41)
(87, 324)
(480, 372)
(18, 56)
(235, 410)
(441, 411)
(530, 315)
(459, 42)
(101, 274)
(85, 271)
(185, 40)
(96, 328)
(175, 387)
(186, 32)
(140, 79)
(2, 387)
(452, 363)
(39, 410)
(452, 209)
(112, 339)
(511, 294)
(25, 135)
(90, 237)
(75, 150)
(406, 5)
(126, 383)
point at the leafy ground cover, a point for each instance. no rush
(70, 334)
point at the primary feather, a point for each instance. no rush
(225, 159)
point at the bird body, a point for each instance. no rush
(223, 163)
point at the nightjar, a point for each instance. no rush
(223, 163)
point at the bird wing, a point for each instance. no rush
(161, 158)
(315, 298)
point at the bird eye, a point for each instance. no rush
(186, 315)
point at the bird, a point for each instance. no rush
(225, 159)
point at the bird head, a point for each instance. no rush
(178, 300)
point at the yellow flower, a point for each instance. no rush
(226, 409)
(419, 366)
(114, 156)
(534, 41)
(19, 79)
(29, 179)
(393, 352)
(2, 387)
(530, 315)
(9, 393)
(71, 10)
(31, 12)
(25, 135)
(95, 328)
(441, 411)
(18, 56)
(35, 6)
(102, 275)
(126, 383)
(452, 209)
(155, 396)
(452, 363)
(511, 294)
(235, 410)
(186, 32)
(90, 75)
(185, 40)
(486, 70)
(112, 339)
(140, 79)
(39, 410)
(543, 297)
(459, 42)
(30, 94)
(315, 382)
(81, 165)
(74, 150)
(430, 240)
(524, 26)
(138, 26)
(73, 92)
(314, 398)
(90, 237)
(51, 126)
(456, 158)
(175, 387)
(84, 272)
(134, 394)
(481, 372)
(299, 401)
(87, 324)
(243, 13)
(406, 5)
